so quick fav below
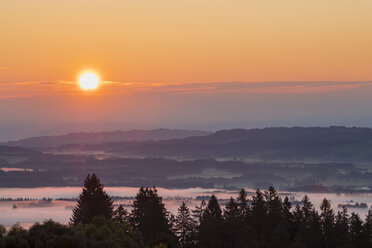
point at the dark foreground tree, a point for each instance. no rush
(327, 218)
(211, 227)
(93, 201)
(49, 234)
(121, 215)
(16, 237)
(150, 218)
(185, 227)
(232, 219)
(2, 232)
(267, 222)
(100, 233)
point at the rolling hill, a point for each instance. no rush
(299, 143)
(84, 138)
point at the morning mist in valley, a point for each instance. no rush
(185, 124)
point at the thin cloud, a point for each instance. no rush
(22, 89)
(3, 97)
(230, 87)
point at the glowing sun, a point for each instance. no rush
(89, 81)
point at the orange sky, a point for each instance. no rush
(186, 64)
(186, 41)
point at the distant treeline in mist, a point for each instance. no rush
(293, 159)
(334, 143)
(265, 220)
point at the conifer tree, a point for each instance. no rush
(315, 235)
(367, 230)
(211, 226)
(356, 230)
(197, 213)
(185, 227)
(258, 214)
(231, 213)
(307, 210)
(243, 203)
(150, 218)
(121, 215)
(2, 232)
(297, 223)
(286, 211)
(275, 230)
(93, 201)
(274, 207)
(327, 223)
(232, 217)
(172, 220)
(342, 227)
(307, 214)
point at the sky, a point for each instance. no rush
(195, 64)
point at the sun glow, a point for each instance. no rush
(89, 81)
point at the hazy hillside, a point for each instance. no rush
(271, 156)
(104, 137)
(17, 151)
(333, 143)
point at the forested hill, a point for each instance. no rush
(338, 143)
(296, 143)
(104, 137)
(8, 151)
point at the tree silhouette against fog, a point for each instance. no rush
(265, 220)
(93, 201)
(150, 218)
(185, 227)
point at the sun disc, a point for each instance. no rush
(89, 81)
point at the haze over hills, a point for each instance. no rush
(288, 158)
(297, 143)
(83, 138)
(341, 144)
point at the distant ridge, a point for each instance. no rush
(91, 138)
(17, 151)
(335, 143)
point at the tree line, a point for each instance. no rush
(265, 220)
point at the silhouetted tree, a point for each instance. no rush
(232, 219)
(274, 207)
(93, 201)
(16, 238)
(286, 212)
(356, 230)
(367, 230)
(150, 218)
(276, 234)
(49, 234)
(307, 207)
(102, 233)
(211, 226)
(121, 215)
(327, 217)
(185, 227)
(269, 223)
(197, 213)
(245, 233)
(314, 237)
(2, 231)
(243, 204)
(310, 223)
(258, 215)
(342, 228)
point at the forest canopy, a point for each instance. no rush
(265, 220)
